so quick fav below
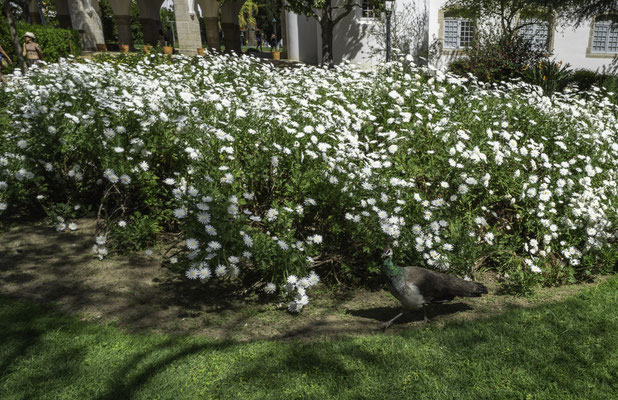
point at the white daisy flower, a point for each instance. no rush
(270, 288)
(192, 244)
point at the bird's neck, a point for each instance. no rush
(390, 270)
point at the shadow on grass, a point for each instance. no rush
(561, 350)
(550, 351)
(38, 263)
(45, 365)
(384, 314)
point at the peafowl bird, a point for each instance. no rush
(416, 287)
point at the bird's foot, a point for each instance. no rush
(425, 319)
(389, 323)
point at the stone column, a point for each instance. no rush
(292, 36)
(212, 33)
(284, 32)
(150, 28)
(230, 26)
(33, 9)
(123, 23)
(187, 26)
(122, 9)
(62, 14)
(150, 18)
(210, 11)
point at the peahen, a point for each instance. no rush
(416, 287)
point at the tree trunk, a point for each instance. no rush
(251, 38)
(13, 31)
(326, 24)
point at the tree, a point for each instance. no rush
(110, 31)
(409, 32)
(328, 13)
(247, 20)
(268, 10)
(8, 14)
(579, 11)
(576, 11)
(137, 33)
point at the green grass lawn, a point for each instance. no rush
(561, 350)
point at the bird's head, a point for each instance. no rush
(388, 253)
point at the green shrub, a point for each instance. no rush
(55, 42)
(585, 79)
(138, 233)
(495, 57)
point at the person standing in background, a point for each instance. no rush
(273, 42)
(258, 39)
(32, 50)
(4, 60)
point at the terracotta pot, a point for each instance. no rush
(276, 55)
(147, 49)
(101, 47)
(168, 50)
(124, 48)
(201, 51)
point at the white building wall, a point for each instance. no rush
(353, 40)
(434, 8)
(572, 45)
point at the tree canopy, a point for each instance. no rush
(576, 11)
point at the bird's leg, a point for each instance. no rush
(425, 320)
(389, 323)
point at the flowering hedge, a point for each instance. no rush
(275, 176)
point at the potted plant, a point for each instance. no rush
(201, 51)
(124, 48)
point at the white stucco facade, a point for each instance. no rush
(355, 38)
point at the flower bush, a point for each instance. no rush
(549, 75)
(273, 177)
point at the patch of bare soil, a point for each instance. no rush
(137, 294)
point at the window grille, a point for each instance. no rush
(458, 33)
(369, 9)
(604, 37)
(537, 33)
